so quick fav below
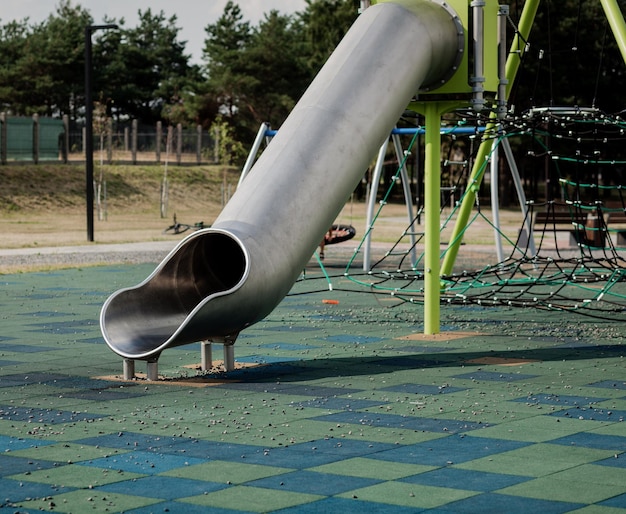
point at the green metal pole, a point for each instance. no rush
(512, 65)
(432, 206)
(616, 21)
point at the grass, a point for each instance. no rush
(44, 205)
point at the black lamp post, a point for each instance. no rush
(89, 30)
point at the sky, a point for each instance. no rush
(193, 15)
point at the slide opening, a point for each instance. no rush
(217, 263)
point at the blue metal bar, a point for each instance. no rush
(412, 130)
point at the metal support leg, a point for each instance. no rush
(129, 369)
(153, 370)
(206, 355)
(229, 356)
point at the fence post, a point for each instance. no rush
(36, 138)
(216, 147)
(199, 144)
(179, 143)
(65, 145)
(134, 141)
(3, 137)
(159, 136)
(109, 141)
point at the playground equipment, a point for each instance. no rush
(218, 281)
(221, 280)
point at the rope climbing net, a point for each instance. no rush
(567, 251)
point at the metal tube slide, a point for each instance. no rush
(220, 280)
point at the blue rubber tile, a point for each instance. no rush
(134, 441)
(291, 388)
(290, 458)
(364, 418)
(186, 508)
(559, 400)
(592, 440)
(18, 443)
(310, 482)
(347, 448)
(264, 359)
(14, 491)
(610, 384)
(287, 328)
(468, 479)
(448, 450)
(615, 502)
(57, 327)
(397, 421)
(210, 450)
(8, 443)
(426, 390)
(80, 383)
(22, 379)
(491, 503)
(339, 403)
(167, 488)
(422, 349)
(288, 347)
(620, 462)
(24, 348)
(353, 339)
(495, 376)
(590, 413)
(405, 362)
(337, 505)
(148, 463)
(45, 314)
(102, 395)
(16, 465)
(49, 416)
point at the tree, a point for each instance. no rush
(326, 22)
(48, 73)
(275, 68)
(13, 38)
(144, 69)
(257, 74)
(223, 50)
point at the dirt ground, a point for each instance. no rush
(68, 227)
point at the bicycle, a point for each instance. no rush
(179, 228)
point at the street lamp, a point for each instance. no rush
(89, 30)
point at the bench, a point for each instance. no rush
(563, 221)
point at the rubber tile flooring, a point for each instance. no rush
(340, 406)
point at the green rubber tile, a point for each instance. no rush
(595, 474)
(537, 460)
(370, 468)
(89, 501)
(598, 509)
(408, 495)
(258, 499)
(536, 429)
(617, 428)
(613, 404)
(76, 475)
(226, 472)
(390, 435)
(486, 416)
(575, 491)
(67, 452)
